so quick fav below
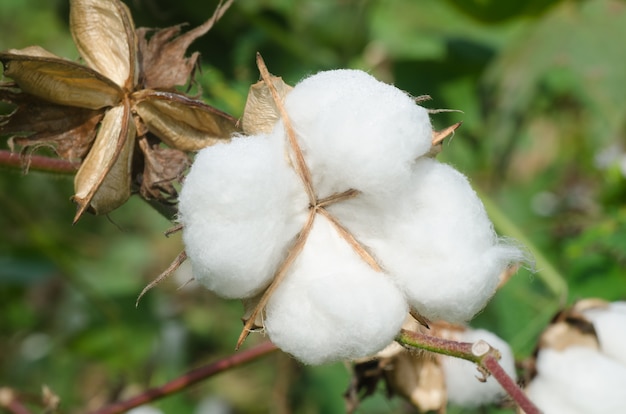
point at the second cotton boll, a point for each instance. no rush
(242, 207)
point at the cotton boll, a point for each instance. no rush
(332, 306)
(240, 206)
(357, 132)
(610, 326)
(578, 380)
(463, 387)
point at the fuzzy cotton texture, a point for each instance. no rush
(578, 380)
(581, 380)
(463, 387)
(610, 326)
(242, 206)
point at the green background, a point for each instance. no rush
(542, 90)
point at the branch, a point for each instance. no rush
(10, 401)
(36, 162)
(188, 379)
(480, 353)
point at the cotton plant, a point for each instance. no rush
(332, 221)
(580, 366)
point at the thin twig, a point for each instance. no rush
(323, 202)
(173, 230)
(280, 274)
(494, 367)
(188, 379)
(164, 275)
(10, 401)
(480, 353)
(301, 167)
(439, 136)
(352, 241)
(36, 162)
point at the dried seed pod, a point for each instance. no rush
(103, 181)
(104, 34)
(59, 81)
(181, 122)
(60, 103)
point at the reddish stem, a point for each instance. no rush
(487, 360)
(189, 379)
(9, 400)
(494, 367)
(37, 162)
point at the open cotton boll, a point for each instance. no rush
(357, 132)
(610, 326)
(582, 379)
(442, 249)
(332, 306)
(463, 387)
(240, 207)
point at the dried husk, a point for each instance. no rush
(105, 37)
(86, 111)
(59, 81)
(249, 306)
(261, 113)
(162, 56)
(570, 327)
(181, 122)
(68, 130)
(162, 166)
(419, 379)
(103, 181)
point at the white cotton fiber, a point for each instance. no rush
(357, 132)
(332, 306)
(464, 389)
(240, 206)
(447, 256)
(610, 326)
(436, 241)
(578, 380)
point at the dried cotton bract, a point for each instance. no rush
(358, 230)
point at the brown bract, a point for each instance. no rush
(417, 377)
(95, 112)
(569, 327)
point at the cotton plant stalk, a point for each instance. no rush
(121, 99)
(336, 223)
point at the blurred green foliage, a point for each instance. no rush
(542, 87)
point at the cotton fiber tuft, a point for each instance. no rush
(239, 209)
(332, 306)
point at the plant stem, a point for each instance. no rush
(479, 353)
(10, 401)
(188, 379)
(15, 160)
